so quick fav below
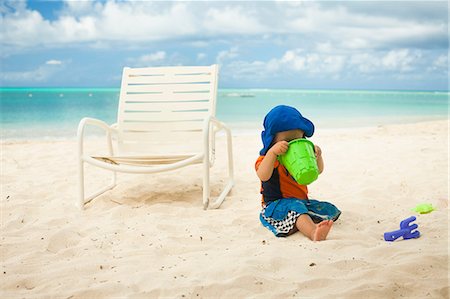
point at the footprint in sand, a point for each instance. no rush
(63, 239)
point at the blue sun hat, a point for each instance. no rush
(283, 118)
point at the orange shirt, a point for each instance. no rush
(280, 185)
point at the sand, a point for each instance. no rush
(150, 238)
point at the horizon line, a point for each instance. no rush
(239, 88)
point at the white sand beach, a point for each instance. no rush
(150, 238)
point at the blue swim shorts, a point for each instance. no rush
(279, 216)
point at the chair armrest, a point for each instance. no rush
(98, 123)
(218, 124)
(93, 121)
(206, 138)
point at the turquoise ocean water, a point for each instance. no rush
(36, 113)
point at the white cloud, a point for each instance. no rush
(441, 61)
(198, 44)
(201, 56)
(401, 60)
(91, 22)
(53, 62)
(312, 63)
(232, 20)
(292, 58)
(439, 64)
(295, 62)
(227, 54)
(155, 58)
(350, 30)
(364, 63)
(140, 21)
(137, 22)
(255, 70)
(80, 8)
(325, 47)
(10, 6)
(309, 64)
(39, 74)
(250, 40)
(95, 23)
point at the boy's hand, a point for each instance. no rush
(279, 148)
(317, 151)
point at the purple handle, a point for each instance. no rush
(405, 231)
(394, 235)
(412, 235)
(405, 223)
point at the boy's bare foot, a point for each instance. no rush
(322, 230)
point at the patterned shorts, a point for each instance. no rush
(284, 226)
(279, 216)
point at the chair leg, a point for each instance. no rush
(82, 200)
(216, 204)
(206, 191)
(81, 184)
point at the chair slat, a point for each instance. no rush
(144, 161)
(162, 117)
(161, 97)
(161, 126)
(170, 88)
(153, 147)
(170, 106)
(162, 105)
(185, 70)
(168, 79)
(156, 137)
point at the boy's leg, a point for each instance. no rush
(323, 208)
(316, 232)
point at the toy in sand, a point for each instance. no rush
(423, 208)
(407, 231)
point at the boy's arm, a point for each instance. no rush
(265, 168)
(319, 158)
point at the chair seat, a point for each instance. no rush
(144, 160)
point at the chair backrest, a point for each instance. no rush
(165, 107)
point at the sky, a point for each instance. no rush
(376, 45)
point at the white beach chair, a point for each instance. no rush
(169, 108)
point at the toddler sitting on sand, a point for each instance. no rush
(285, 204)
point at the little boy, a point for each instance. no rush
(286, 207)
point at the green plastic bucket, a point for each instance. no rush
(300, 161)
